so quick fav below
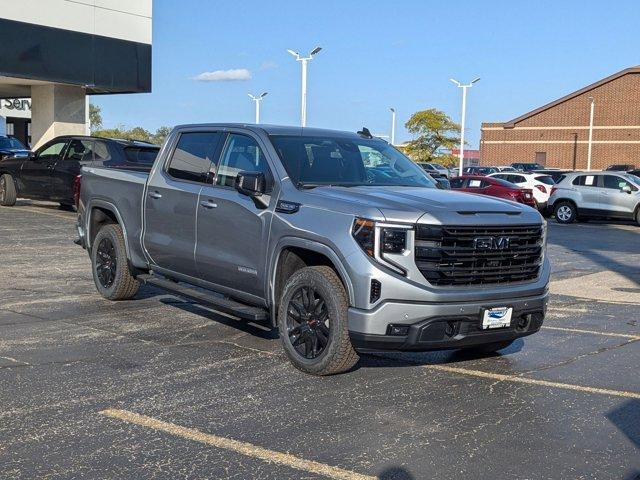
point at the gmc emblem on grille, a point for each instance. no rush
(491, 243)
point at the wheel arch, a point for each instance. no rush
(290, 255)
(102, 213)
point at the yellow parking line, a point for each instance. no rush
(593, 332)
(236, 446)
(532, 381)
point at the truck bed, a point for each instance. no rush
(120, 191)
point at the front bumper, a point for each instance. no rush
(441, 326)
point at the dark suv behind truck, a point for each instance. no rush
(336, 238)
(52, 172)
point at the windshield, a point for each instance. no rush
(10, 142)
(313, 161)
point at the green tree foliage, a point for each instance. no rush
(433, 131)
(95, 117)
(136, 133)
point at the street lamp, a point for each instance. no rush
(464, 112)
(258, 99)
(593, 106)
(304, 61)
(393, 126)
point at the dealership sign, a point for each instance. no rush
(15, 107)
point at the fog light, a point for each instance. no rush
(452, 328)
(523, 322)
(398, 330)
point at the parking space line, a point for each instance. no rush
(243, 448)
(593, 332)
(532, 381)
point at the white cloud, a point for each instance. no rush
(234, 74)
(268, 65)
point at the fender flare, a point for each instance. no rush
(97, 203)
(314, 246)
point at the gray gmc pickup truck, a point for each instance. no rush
(336, 238)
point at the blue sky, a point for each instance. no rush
(375, 55)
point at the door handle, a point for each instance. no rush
(208, 204)
(155, 195)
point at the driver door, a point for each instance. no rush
(37, 172)
(615, 200)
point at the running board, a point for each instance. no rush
(237, 309)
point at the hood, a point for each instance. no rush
(13, 152)
(429, 205)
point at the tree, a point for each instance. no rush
(136, 133)
(434, 130)
(95, 117)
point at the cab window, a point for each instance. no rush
(79, 151)
(241, 154)
(193, 157)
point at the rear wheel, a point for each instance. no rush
(8, 193)
(110, 266)
(565, 212)
(312, 318)
(638, 215)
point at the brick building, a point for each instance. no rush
(556, 134)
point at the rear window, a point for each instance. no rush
(141, 155)
(546, 179)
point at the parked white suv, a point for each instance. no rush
(596, 194)
(539, 183)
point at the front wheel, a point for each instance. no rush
(565, 212)
(110, 266)
(312, 318)
(8, 192)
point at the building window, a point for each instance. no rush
(11, 131)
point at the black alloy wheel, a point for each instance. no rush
(106, 262)
(308, 322)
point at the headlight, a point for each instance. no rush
(382, 241)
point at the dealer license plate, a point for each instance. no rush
(498, 317)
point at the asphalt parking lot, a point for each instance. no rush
(159, 387)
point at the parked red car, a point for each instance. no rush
(494, 187)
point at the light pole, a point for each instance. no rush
(393, 126)
(593, 106)
(464, 113)
(304, 61)
(258, 99)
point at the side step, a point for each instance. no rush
(246, 312)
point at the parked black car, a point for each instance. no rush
(526, 167)
(52, 172)
(622, 167)
(11, 147)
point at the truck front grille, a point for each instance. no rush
(462, 255)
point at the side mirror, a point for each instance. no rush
(251, 184)
(626, 189)
(31, 155)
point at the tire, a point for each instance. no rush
(307, 320)
(488, 348)
(565, 212)
(8, 193)
(110, 265)
(638, 216)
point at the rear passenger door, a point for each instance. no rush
(589, 192)
(170, 206)
(232, 231)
